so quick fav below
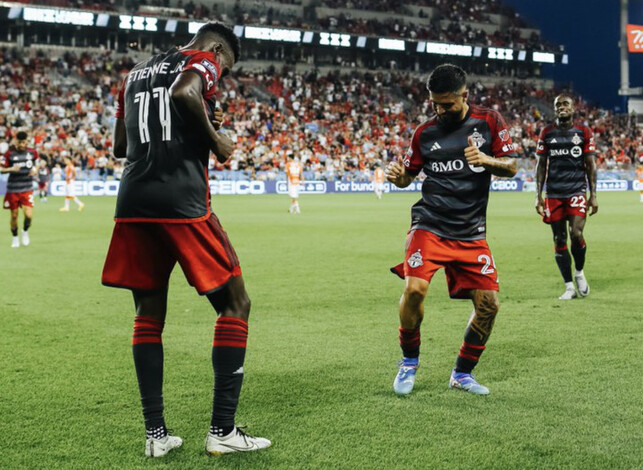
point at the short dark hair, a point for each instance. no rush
(446, 78)
(224, 31)
(22, 135)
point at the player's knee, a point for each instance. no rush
(576, 235)
(488, 304)
(414, 294)
(239, 307)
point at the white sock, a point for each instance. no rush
(66, 203)
(77, 201)
(569, 286)
(578, 273)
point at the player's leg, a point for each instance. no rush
(228, 355)
(579, 249)
(411, 316)
(13, 225)
(147, 348)
(485, 309)
(28, 217)
(79, 203)
(563, 259)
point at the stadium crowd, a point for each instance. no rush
(462, 23)
(339, 125)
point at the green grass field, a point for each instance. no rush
(564, 377)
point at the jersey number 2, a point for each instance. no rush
(488, 262)
(165, 117)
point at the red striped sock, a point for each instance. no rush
(228, 355)
(410, 341)
(230, 332)
(468, 357)
(147, 330)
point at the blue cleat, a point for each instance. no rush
(466, 382)
(405, 378)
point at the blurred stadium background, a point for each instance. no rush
(340, 84)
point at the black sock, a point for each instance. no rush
(147, 348)
(578, 252)
(228, 355)
(26, 224)
(564, 262)
(14, 232)
(468, 357)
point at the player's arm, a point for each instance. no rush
(590, 170)
(4, 165)
(499, 166)
(187, 94)
(397, 174)
(120, 139)
(541, 173)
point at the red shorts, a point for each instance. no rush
(468, 265)
(42, 184)
(15, 200)
(563, 209)
(141, 256)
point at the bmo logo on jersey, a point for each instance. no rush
(453, 166)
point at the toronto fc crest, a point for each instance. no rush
(477, 138)
(415, 260)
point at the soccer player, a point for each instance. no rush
(20, 163)
(458, 149)
(294, 173)
(378, 181)
(70, 190)
(43, 179)
(565, 166)
(163, 216)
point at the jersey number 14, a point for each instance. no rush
(165, 117)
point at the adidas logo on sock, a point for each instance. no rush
(238, 371)
(435, 146)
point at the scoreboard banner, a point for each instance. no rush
(254, 187)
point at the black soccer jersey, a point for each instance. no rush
(20, 181)
(454, 193)
(165, 177)
(565, 150)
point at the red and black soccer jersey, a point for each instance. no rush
(454, 193)
(565, 150)
(165, 177)
(20, 181)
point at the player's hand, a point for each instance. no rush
(222, 147)
(473, 154)
(217, 118)
(14, 168)
(593, 205)
(540, 206)
(394, 172)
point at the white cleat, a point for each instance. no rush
(160, 447)
(569, 294)
(582, 285)
(25, 238)
(236, 441)
(15, 242)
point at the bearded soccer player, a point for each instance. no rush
(20, 164)
(565, 167)
(165, 129)
(458, 150)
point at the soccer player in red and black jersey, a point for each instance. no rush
(566, 164)
(20, 163)
(458, 150)
(163, 216)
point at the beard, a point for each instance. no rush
(450, 119)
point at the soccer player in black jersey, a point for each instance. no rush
(566, 165)
(458, 150)
(163, 216)
(20, 163)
